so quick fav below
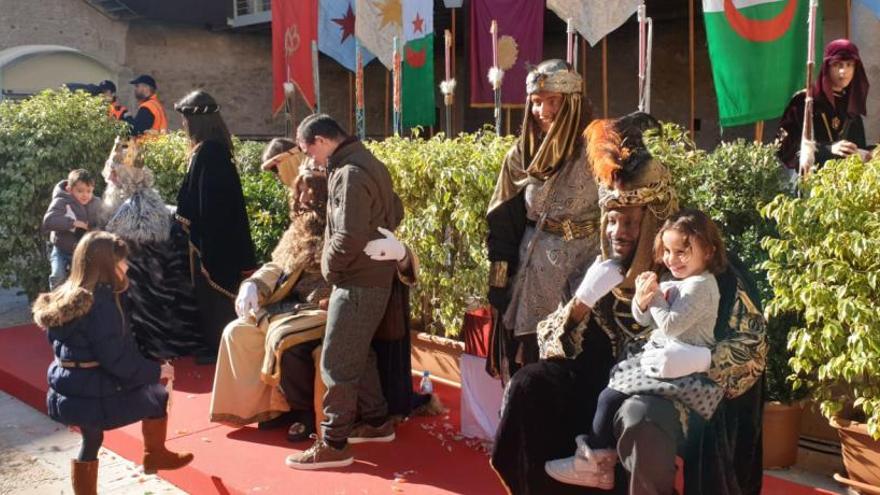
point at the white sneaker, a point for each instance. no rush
(588, 467)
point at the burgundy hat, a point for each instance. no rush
(837, 50)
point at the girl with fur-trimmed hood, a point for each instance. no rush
(99, 380)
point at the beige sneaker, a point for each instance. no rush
(587, 467)
(320, 456)
(364, 433)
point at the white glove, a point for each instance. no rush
(675, 360)
(601, 277)
(844, 148)
(247, 300)
(385, 249)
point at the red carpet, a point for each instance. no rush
(231, 461)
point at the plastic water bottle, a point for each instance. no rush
(426, 387)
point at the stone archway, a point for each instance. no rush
(28, 69)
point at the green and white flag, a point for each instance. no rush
(758, 50)
(418, 64)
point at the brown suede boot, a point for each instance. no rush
(156, 456)
(84, 476)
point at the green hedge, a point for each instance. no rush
(825, 265)
(41, 139)
(445, 185)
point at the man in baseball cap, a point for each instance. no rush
(150, 117)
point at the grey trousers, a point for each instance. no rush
(348, 362)
(649, 433)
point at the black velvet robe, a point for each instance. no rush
(507, 225)
(211, 206)
(825, 132)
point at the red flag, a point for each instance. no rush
(294, 27)
(520, 35)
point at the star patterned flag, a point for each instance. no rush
(418, 63)
(376, 24)
(336, 22)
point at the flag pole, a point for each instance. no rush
(848, 14)
(454, 61)
(649, 55)
(351, 123)
(691, 43)
(569, 42)
(359, 122)
(808, 146)
(447, 86)
(640, 14)
(397, 87)
(605, 77)
(387, 97)
(316, 77)
(584, 64)
(496, 75)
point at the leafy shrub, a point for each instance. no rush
(167, 157)
(825, 265)
(445, 186)
(42, 138)
(265, 197)
(731, 184)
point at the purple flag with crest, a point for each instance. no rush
(520, 35)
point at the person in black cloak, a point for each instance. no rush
(840, 95)
(547, 404)
(211, 209)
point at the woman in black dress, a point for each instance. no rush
(211, 209)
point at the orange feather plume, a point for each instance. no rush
(604, 151)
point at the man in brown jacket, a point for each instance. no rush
(361, 199)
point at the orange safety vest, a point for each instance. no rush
(160, 123)
(117, 111)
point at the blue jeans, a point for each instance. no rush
(60, 262)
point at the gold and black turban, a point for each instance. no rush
(627, 176)
(540, 155)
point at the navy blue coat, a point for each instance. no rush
(125, 387)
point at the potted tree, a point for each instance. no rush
(782, 406)
(825, 265)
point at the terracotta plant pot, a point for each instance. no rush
(861, 456)
(781, 431)
(438, 355)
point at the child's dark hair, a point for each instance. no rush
(695, 225)
(80, 175)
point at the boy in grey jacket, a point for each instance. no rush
(74, 211)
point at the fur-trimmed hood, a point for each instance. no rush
(54, 309)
